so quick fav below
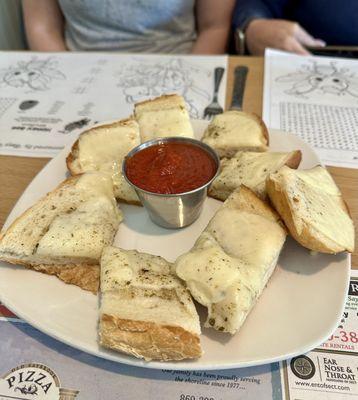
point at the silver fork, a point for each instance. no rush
(214, 107)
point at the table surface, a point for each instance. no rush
(17, 172)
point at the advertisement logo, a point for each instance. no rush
(33, 381)
(303, 367)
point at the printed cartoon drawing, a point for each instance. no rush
(76, 124)
(28, 104)
(35, 74)
(142, 80)
(322, 79)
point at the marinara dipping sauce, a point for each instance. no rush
(170, 168)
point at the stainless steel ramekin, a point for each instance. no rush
(173, 210)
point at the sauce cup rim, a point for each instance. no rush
(175, 139)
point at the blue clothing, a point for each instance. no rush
(334, 21)
(150, 26)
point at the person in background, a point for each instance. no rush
(294, 25)
(150, 26)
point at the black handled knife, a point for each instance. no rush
(240, 74)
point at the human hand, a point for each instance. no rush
(278, 34)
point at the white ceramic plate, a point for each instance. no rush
(298, 310)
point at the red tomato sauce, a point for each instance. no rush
(170, 168)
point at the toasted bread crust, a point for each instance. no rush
(161, 99)
(263, 126)
(148, 340)
(72, 157)
(132, 203)
(295, 160)
(218, 195)
(309, 237)
(85, 276)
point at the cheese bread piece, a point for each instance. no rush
(145, 310)
(250, 169)
(233, 130)
(233, 258)
(163, 116)
(313, 209)
(64, 233)
(103, 149)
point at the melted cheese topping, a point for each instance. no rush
(237, 303)
(208, 271)
(315, 200)
(250, 169)
(28, 230)
(166, 122)
(253, 246)
(83, 232)
(139, 269)
(104, 148)
(235, 130)
(233, 252)
(107, 144)
(121, 188)
(94, 184)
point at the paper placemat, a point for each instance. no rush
(317, 99)
(46, 98)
